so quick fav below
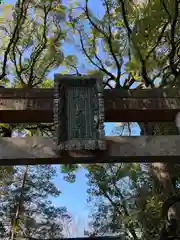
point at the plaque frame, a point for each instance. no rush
(61, 85)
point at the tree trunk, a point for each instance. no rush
(166, 174)
(19, 206)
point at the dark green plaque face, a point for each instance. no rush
(82, 107)
(80, 121)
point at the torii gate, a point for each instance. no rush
(78, 106)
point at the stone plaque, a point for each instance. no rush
(79, 113)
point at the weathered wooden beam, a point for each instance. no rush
(26, 106)
(36, 105)
(38, 150)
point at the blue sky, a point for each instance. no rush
(74, 195)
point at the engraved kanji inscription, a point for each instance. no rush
(79, 113)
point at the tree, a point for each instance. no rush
(36, 215)
(123, 201)
(130, 43)
(142, 39)
(31, 41)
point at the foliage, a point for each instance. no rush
(36, 214)
(31, 37)
(129, 42)
(140, 38)
(124, 201)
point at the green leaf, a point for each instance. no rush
(69, 168)
(69, 24)
(121, 173)
(71, 178)
(71, 60)
(29, 133)
(47, 84)
(4, 125)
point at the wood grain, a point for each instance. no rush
(36, 105)
(40, 150)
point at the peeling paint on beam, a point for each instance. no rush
(39, 150)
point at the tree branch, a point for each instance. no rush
(129, 32)
(91, 21)
(109, 40)
(108, 37)
(19, 205)
(158, 41)
(90, 59)
(40, 48)
(131, 229)
(173, 44)
(19, 22)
